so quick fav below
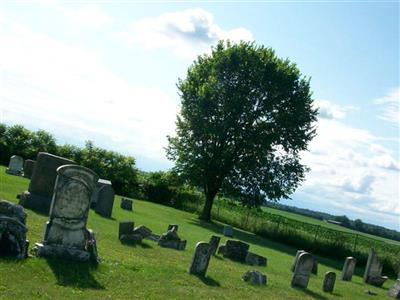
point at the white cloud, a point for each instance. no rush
(329, 110)
(86, 16)
(187, 33)
(390, 107)
(60, 87)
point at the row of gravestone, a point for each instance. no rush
(43, 173)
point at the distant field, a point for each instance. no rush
(150, 272)
(310, 220)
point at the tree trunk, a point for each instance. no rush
(206, 214)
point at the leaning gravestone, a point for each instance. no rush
(105, 201)
(236, 250)
(170, 239)
(214, 242)
(201, 259)
(13, 230)
(255, 277)
(329, 282)
(29, 166)
(255, 259)
(228, 231)
(40, 192)
(302, 270)
(373, 270)
(66, 235)
(16, 165)
(296, 258)
(348, 268)
(126, 204)
(394, 291)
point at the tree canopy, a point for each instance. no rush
(245, 116)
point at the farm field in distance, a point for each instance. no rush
(151, 272)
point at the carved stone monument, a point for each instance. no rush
(348, 268)
(236, 250)
(66, 235)
(105, 199)
(13, 230)
(394, 291)
(40, 192)
(255, 259)
(302, 270)
(29, 166)
(373, 270)
(255, 277)
(329, 282)
(214, 243)
(16, 165)
(228, 231)
(200, 260)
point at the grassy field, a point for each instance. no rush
(149, 272)
(310, 220)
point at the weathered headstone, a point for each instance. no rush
(236, 250)
(255, 259)
(66, 235)
(13, 230)
(394, 291)
(296, 258)
(126, 233)
(255, 277)
(228, 231)
(170, 239)
(373, 270)
(40, 192)
(329, 282)
(201, 259)
(126, 204)
(173, 225)
(95, 195)
(302, 270)
(105, 201)
(29, 166)
(348, 268)
(15, 165)
(143, 231)
(214, 243)
(125, 227)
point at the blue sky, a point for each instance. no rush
(106, 71)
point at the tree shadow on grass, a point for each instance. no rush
(134, 245)
(207, 280)
(75, 274)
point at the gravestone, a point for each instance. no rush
(143, 231)
(170, 239)
(236, 250)
(95, 195)
(214, 242)
(66, 235)
(255, 277)
(127, 234)
(255, 259)
(15, 165)
(173, 225)
(201, 259)
(348, 268)
(329, 282)
(302, 270)
(296, 258)
(125, 227)
(394, 291)
(29, 166)
(40, 191)
(105, 201)
(13, 230)
(228, 231)
(126, 204)
(373, 270)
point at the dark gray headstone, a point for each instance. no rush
(228, 231)
(66, 235)
(329, 282)
(394, 291)
(173, 225)
(40, 192)
(201, 259)
(29, 166)
(236, 250)
(143, 231)
(348, 268)
(255, 277)
(255, 259)
(15, 165)
(296, 258)
(105, 201)
(302, 270)
(214, 243)
(13, 230)
(373, 270)
(125, 228)
(170, 239)
(126, 204)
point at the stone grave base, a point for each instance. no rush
(55, 251)
(255, 277)
(13, 172)
(174, 244)
(35, 202)
(377, 281)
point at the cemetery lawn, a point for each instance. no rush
(148, 271)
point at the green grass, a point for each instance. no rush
(310, 220)
(150, 272)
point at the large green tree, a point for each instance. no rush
(245, 116)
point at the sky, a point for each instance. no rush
(106, 71)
